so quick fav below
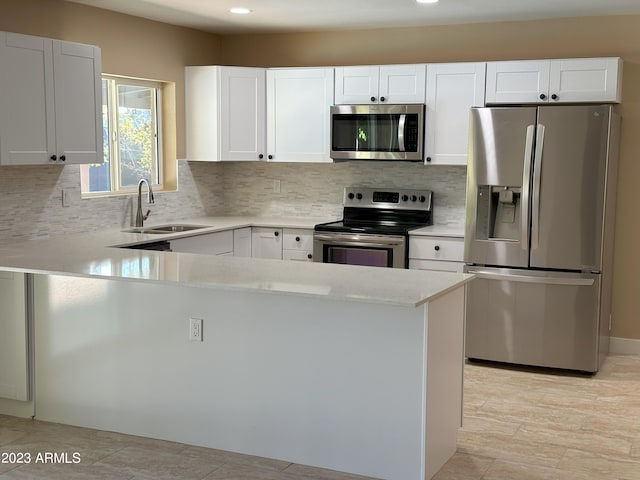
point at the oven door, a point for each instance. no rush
(360, 249)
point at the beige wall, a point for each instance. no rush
(138, 47)
(130, 46)
(566, 38)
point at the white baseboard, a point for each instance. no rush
(624, 346)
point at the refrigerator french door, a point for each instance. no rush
(539, 232)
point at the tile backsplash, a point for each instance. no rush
(31, 196)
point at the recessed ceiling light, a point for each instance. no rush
(240, 10)
(427, 1)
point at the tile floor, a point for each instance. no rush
(520, 424)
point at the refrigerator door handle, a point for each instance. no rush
(490, 275)
(526, 175)
(537, 172)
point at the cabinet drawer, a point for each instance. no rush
(299, 255)
(297, 239)
(435, 265)
(436, 248)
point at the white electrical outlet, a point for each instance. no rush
(65, 198)
(195, 329)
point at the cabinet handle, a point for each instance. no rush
(309, 256)
(270, 157)
(53, 157)
(382, 99)
(554, 97)
(436, 248)
(542, 96)
(261, 156)
(297, 239)
(428, 159)
(276, 233)
(373, 99)
(63, 157)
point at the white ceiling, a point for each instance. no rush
(310, 15)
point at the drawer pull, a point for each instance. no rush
(436, 248)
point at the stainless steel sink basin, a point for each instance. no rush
(159, 229)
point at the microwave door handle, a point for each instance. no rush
(401, 125)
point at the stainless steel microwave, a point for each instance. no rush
(377, 132)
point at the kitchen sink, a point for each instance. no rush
(159, 229)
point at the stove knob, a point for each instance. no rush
(423, 198)
(359, 196)
(351, 196)
(413, 198)
(405, 198)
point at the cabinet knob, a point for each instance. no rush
(63, 158)
(542, 96)
(373, 99)
(309, 256)
(270, 157)
(428, 159)
(297, 239)
(436, 248)
(261, 156)
(382, 99)
(554, 97)
(276, 233)
(53, 157)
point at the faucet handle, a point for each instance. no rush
(146, 215)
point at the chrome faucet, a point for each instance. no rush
(140, 218)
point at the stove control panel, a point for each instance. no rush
(394, 198)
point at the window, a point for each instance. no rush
(131, 111)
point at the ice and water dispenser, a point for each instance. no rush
(498, 213)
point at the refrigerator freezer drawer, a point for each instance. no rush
(546, 319)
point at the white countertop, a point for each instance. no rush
(448, 230)
(92, 255)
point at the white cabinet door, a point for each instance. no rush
(14, 364)
(27, 117)
(357, 85)
(555, 81)
(266, 242)
(219, 243)
(523, 81)
(298, 103)
(242, 110)
(297, 244)
(380, 84)
(78, 98)
(51, 97)
(585, 80)
(452, 89)
(242, 242)
(225, 113)
(402, 83)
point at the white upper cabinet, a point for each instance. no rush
(394, 84)
(452, 89)
(225, 113)
(298, 120)
(50, 101)
(554, 81)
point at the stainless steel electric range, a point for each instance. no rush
(375, 227)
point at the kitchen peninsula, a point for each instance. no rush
(357, 369)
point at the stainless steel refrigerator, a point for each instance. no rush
(539, 234)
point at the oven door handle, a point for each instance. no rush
(360, 240)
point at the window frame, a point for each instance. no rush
(158, 184)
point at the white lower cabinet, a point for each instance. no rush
(297, 244)
(436, 253)
(242, 242)
(14, 359)
(266, 242)
(219, 243)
